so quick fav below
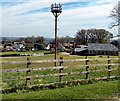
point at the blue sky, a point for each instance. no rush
(21, 18)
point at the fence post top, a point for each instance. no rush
(61, 57)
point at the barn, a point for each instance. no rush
(97, 49)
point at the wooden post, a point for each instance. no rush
(18, 74)
(61, 69)
(28, 73)
(109, 61)
(87, 67)
(61, 61)
(17, 85)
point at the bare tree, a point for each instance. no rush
(92, 36)
(62, 40)
(115, 15)
(65, 39)
(80, 37)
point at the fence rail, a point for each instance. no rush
(57, 67)
(63, 74)
(65, 82)
(43, 61)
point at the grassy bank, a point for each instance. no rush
(101, 90)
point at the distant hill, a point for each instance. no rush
(47, 40)
(10, 38)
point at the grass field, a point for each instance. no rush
(26, 52)
(101, 90)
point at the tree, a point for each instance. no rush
(62, 40)
(115, 15)
(5, 40)
(39, 40)
(80, 37)
(28, 40)
(115, 42)
(39, 43)
(18, 40)
(85, 36)
(65, 39)
(28, 46)
(34, 42)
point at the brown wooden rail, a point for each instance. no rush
(64, 74)
(43, 61)
(57, 67)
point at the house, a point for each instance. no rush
(69, 45)
(19, 45)
(7, 47)
(81, 48)
(51, 47)
(96, 49)
(1, 48)
(102, 49)
(60, 47)
(116, 41)
(48, 47)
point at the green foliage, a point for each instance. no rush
(35, 42)
(40, 40)
(28, 46)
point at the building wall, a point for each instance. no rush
(96, 52)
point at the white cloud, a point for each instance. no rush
(70, 20)
(106, 1)
(87, 12)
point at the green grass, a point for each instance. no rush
(26, 52)
(100, 90)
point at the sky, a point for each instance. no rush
(23, 18)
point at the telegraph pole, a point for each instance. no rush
(56, 9)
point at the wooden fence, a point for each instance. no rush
(61, 74)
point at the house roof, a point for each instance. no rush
(68, 44)
(102, 47)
